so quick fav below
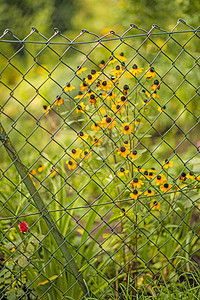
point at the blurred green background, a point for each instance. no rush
(72, 16)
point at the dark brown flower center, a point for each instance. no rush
(166, 185)
(158, 177)
(126, 127)
(93, 72)
(70, 163)
(104, 83)
(89, 77)
(134, 66)
(108, 120)
(135, 192)
(134, 152)
(135, 180)
(123, 98)
(122, 170)
(122, 149)
(73, 151)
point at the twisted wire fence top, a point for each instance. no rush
(108, 129)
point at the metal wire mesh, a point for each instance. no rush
(111, 147)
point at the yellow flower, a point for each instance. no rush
(122, 100)
(121, 56)
(72, 164)
(133, 154)
(160, 179)
(182, 177)
(136, 183)
(162, 109)
(80, 108)
(59, 101)
(95, 126)
(155, 85)
(190, 175)
(165, 187)
(47, 108)
(135, 194)
(76, 153)
(79, 96)
(126, 144)
(139, 169)
(149, 193)
(112, 60)
(97, 141)
(117, 71)
(80, 70)
(110, 96)
(123, 212)
(86, 154)
(122, 172)
(105, 85)
(108, 122)
(54, 172)
(92, 99)
(41, 168)
(117, 108)
(150, 73)
(153, 170)
(126, 128)
(123, 151)
(167, 164)
(155, 205)
(198, 178)
(146, 102)
(32, 173)
(82, 136)
(69, 87)
(83, 86)
(155, 95)
(134, 71)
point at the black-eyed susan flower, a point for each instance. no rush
(95, 126)
(105, 85)
(136, 183)
(123, 212)
(80, 70)
(110, 96)
(122, 172)
(122, 100)
(54, 172)
(69, 87)
(190, 175)
(80, 108)
(121, 56)
(126, 128)
(79, 96)
(108, 122)
(139, 169)
(123, 151)
(89, 79)
(125, 89)
(83, 86)
(150, 73)
(126, 144)
(160, 179)
(86, 154)
(96, 141)
(41, 168)
(59, 101)
(149, 193)
(102, 64)
(155, 85)
(153, 170)
(32, 173)
(146, 102)
(133, 154)
(165, 187)
(145, 175)
(112, 60)
(137, 122)
(162, 109)
(82, 136)
(117, 71)
(135, 194)
(134, 71)
(92, 99)
(117, 108)
(94, 74)
(72, 164)
(182, 177)
(155, 95)
(76, 153)
(155, 205)
(198, 178)
(167, 164)
(47, 108)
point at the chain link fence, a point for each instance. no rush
(100, 164)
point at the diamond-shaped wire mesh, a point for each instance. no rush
(107, 130)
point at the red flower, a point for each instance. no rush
(23, 226)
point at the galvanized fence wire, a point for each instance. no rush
(118, 174)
